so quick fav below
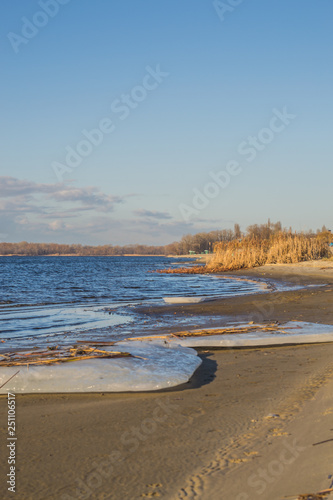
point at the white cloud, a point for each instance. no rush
(59, 225)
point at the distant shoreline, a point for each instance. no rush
(78, 255)
(196, 256)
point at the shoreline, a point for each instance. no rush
(277, 305)
(237, 415)
(263, 286)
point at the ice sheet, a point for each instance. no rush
(164, 366)
(300, 333)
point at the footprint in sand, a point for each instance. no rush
(250, 453)
(237, 460)
(154, 493)
(278, 432)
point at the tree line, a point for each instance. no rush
(197, 243)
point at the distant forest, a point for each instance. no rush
(197, 243)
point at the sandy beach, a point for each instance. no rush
(251, 423)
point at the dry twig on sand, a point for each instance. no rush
(55, 356)
(272, 328)
(321, 495)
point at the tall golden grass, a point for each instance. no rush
(279, 248)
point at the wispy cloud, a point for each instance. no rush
(89, 196)
(152, 214)
(11, 186)
(30, 208)
(22, 195)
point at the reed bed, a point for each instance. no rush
(254, 251)
(280, 248)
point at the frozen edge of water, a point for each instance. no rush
(163, 363)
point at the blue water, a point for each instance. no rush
(56, 299)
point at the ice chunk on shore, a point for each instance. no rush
(293, 332)
(183, 300)
(166, 365)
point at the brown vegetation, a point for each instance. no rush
(55, 355)
(264, 244)
(280, 248)
(183, 270)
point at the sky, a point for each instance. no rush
(140, 121)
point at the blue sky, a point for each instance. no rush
(180, 89)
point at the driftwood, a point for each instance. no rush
(63, 355)
(273, 328)
(90, 350)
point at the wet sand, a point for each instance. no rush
(308, 303)
(252, 423)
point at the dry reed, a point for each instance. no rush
(280, 248)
